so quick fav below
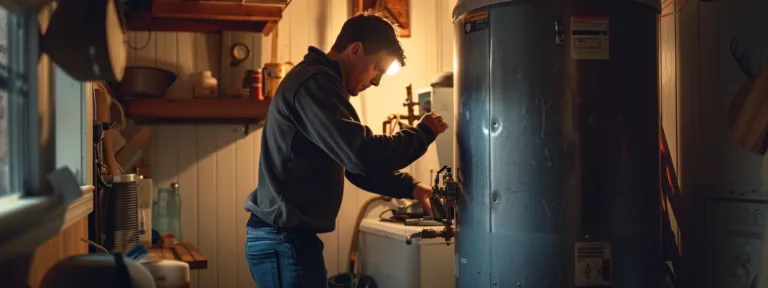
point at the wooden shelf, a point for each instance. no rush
(182, 251)
(206, 16)
(197, 111)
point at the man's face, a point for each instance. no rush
(362, 71)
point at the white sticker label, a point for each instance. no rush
(589, 38)
(593, 264)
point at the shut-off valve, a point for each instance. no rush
(443, 202)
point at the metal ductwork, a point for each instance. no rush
(557, 143)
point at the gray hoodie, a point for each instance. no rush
(312, 138)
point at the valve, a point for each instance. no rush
(443, 202)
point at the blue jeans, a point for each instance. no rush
(285, 259)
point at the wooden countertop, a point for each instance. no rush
(182, 251)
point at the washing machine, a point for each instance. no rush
(384, 255)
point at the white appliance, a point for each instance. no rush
(167, 273)
(426, 263)
(734, 240)
(440, 98)
(146, 195)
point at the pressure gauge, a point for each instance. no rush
(240, 52)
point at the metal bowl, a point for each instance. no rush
(144, 82)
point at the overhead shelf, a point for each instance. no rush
(207, 16)
(197, 111)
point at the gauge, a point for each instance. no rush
(240, 52)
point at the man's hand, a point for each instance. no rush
(434, 122)
(422, 193)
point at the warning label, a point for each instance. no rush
(589, 38)
(593, 264)
(476, 21)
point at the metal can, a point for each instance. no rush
(256, 89)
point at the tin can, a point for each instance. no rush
(273, 74)
(256, 90)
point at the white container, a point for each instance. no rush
(441, 153)
(442, 101)
(426, 263)
(207, 86)
(169, 273)
(146, 195)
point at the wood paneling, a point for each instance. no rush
(668, 89)
(698, 70)
(707, 80)
(668, 71)
(216, 165)
(30, 269)
(65, 244)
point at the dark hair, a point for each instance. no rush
(375, 32)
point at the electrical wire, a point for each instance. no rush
(149, 38)
(381, 216)
(669, 4)
(101, 186)
(95, 245)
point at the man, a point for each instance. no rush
(312, 138)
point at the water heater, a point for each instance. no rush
(557, 130)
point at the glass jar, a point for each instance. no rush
(166, 211)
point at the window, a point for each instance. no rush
(4, 133)
(71, 126)
(13, 102)
(19, 155)
(28, 216)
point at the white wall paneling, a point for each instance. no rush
(216, 165)
(699, 79)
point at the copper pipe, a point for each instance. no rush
(411, 117)
(409, 104)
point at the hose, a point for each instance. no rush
(360, 216)
(346, 280)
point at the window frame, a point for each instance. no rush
(37, 210)
(18, 107)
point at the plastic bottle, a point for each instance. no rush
(207, 86)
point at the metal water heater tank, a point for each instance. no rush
(557, 143)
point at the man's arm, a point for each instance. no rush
(325, 116)
(397, 184)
